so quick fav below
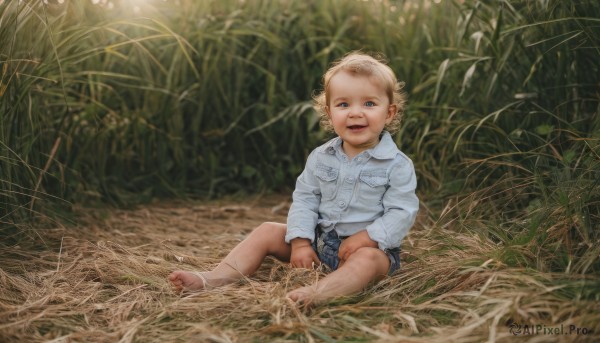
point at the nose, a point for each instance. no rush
(355, 111)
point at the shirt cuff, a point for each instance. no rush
(377, 233)
(299, 233)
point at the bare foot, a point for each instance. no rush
(187, 281)
(304, 296)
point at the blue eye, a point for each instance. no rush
(342, 104)
(369, 104)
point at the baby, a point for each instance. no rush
(353, 203)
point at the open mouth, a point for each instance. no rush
(356, 127)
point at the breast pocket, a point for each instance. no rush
(373, 184)
(328, 177)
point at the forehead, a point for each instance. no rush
(354, 83)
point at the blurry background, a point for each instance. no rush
(124, 102)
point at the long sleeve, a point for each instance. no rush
(400, 205)
(304, 211)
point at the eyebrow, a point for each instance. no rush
(371, 97)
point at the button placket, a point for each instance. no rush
(346, 187)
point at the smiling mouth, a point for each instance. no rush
(356, 127)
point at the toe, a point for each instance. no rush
(174, 275)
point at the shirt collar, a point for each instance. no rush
(385, 149)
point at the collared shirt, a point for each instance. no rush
(374, 191)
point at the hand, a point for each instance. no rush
(356, 241)
(303, 255)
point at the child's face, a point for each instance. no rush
(359, 109)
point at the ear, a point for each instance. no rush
(392, 109)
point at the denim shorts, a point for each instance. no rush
(327, 244)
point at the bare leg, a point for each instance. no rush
(363, 266)
(268, 239)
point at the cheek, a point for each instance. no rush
(336, 117)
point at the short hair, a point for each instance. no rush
(359, 63)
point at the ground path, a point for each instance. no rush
(104, 280)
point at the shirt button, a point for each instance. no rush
(350, 179)
(341, 204)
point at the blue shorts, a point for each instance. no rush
(327, 244)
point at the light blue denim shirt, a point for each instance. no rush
(373, 191)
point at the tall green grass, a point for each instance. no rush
(204, 98)
(523, 125)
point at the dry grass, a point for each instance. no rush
(105, 281)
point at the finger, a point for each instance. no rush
(348, 253)
(344, 254)
(341, 253)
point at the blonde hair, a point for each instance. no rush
(358, 63)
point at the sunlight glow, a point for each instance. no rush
(136, 5)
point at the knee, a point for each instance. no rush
(269, 230)
(371, 255)
(270, 237)
(371, 260)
